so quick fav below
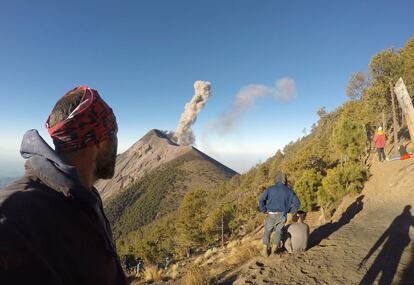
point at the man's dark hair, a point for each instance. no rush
(301, 214)
(65, 106)
(402, 150)
(281, 178)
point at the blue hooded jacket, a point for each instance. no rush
(279, 198)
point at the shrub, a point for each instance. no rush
(306, 189)
(348, 139)
(340, 181)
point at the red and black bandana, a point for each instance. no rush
(91, 122)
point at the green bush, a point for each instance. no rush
(306, 189)
(348, 139)
(340, 181)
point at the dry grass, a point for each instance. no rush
(233, 244)
(174, 273)
(199, 259)
(246, 239)
(196, 276)
(135, 282)
(239, 255)
(210, 252)
(152, 273)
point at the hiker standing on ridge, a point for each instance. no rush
(276, 201)
(52, 226)
(379, 141)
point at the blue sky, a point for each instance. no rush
(144, 56)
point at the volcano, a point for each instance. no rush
(151, 178)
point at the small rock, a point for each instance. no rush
(259, 264)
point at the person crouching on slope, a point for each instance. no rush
(276, 201)
(379, 141)
(52, 226)
(298, 233)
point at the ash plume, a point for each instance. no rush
(284, 90)
(183, 134)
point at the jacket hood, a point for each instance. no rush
(50, 167)
(281, 178)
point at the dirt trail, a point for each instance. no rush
(379, 224)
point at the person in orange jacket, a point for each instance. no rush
(379, 141)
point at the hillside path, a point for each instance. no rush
(378, 224)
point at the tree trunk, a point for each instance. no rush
(409, 127)
(394, 117)
(406, 105)
(222, 228)
(322, 217)
(188, 251)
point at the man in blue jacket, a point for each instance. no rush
(276, 201)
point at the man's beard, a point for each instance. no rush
(105, 164)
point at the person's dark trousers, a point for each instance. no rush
(381, 154)
(274, 222)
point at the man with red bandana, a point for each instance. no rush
(52, 226)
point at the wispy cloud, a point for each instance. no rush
(284, 90)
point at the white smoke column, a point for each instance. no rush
(183, 133)
(284, 90)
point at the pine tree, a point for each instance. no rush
(306, 189)
(218, 224)
(408, 65)
(191, 216)
(348, 140)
